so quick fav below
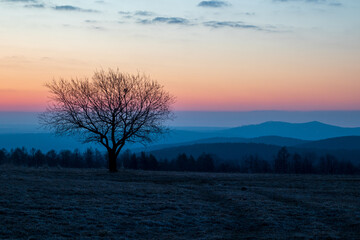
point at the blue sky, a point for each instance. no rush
(212, 55)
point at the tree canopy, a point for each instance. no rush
(112, 108)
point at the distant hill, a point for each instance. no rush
(42, 141)
(278, 141)
(239, 151)
(271, 140)
(273, 133)
(349, 143)
(226, 151)
(303, 131)
(306, 131)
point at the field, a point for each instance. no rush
(93, 204)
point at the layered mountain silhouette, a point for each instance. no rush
(338, 143)
(303, 131)
(306, 131)
(301, 135)
(344, 148)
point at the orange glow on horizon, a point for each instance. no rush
(18, 100)
(199, 94)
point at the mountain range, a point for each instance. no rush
(302, 135)
(344, 148)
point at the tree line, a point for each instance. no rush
(308, 163)
(283, 163)
(65, 158)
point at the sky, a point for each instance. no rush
(295, 55)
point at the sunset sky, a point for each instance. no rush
(212, 55)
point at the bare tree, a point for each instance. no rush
(111, 109)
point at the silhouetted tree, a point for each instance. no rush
(185, 163)
(125, 158)
(89, 158)
(142, 161)
(253, 164)
(3, 156)
(349, 168)
(51, 158)
(231, 166)
(165, 165)
(281, 161)
(31, 158)
(307, 164)
(297, 165)
(152, 162)
(133, 162)
(181, 162)
(112, 109)
(64, 158)
(127, 161)
(18, 156)
(39, 158)
(99, 159)
(76, 159)
(205, 163)
(329, 165)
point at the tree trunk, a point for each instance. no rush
(112, 161)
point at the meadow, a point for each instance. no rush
(93, 204)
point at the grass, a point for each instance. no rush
(93, 204)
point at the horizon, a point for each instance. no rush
(28, 121)
(14, 133)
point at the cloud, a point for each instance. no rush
(143, 13)
(150, 18)
(146, 17)
(91, 21)
(166, 20)
(21, 1)
(35, 6)
(97, 28)
(231, 24)
(139, 13)
(93, 24)
(242, 25)
(171, 20)
(326, 2)
(213, 4)
(309, 1)
(335, 4)
(72, 8)
(31, 3)
(124, 13)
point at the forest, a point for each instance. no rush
(283, 163)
